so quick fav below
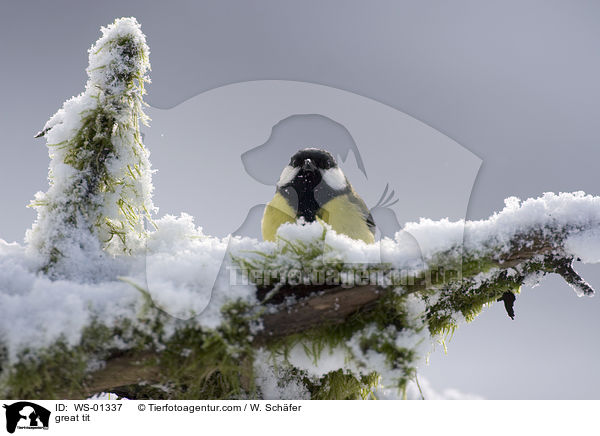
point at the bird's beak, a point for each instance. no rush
(309, 165)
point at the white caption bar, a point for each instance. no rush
(298, 417)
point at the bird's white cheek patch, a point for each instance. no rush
(335, 178)
(287, 175)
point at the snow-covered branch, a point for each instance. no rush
(379, 315)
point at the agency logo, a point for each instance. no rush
(221, 154)
(27, 416)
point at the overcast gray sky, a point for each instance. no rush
(514, 82)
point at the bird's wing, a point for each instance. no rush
(348, 214)
(364, 210)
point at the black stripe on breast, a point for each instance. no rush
(306, 200)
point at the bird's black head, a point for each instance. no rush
(310, 180)
(313, 158)
(307, 168)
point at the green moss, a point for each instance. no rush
(212, 364)
(90, 151)
(468, 298)
(378, 329)
(55, 371)
(46, 373)
(62, 370)
(340, 385)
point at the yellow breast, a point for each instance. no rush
(343, 215)
(277, 212)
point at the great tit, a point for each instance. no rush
(313, 187)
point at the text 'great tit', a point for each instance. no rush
(313, 187)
